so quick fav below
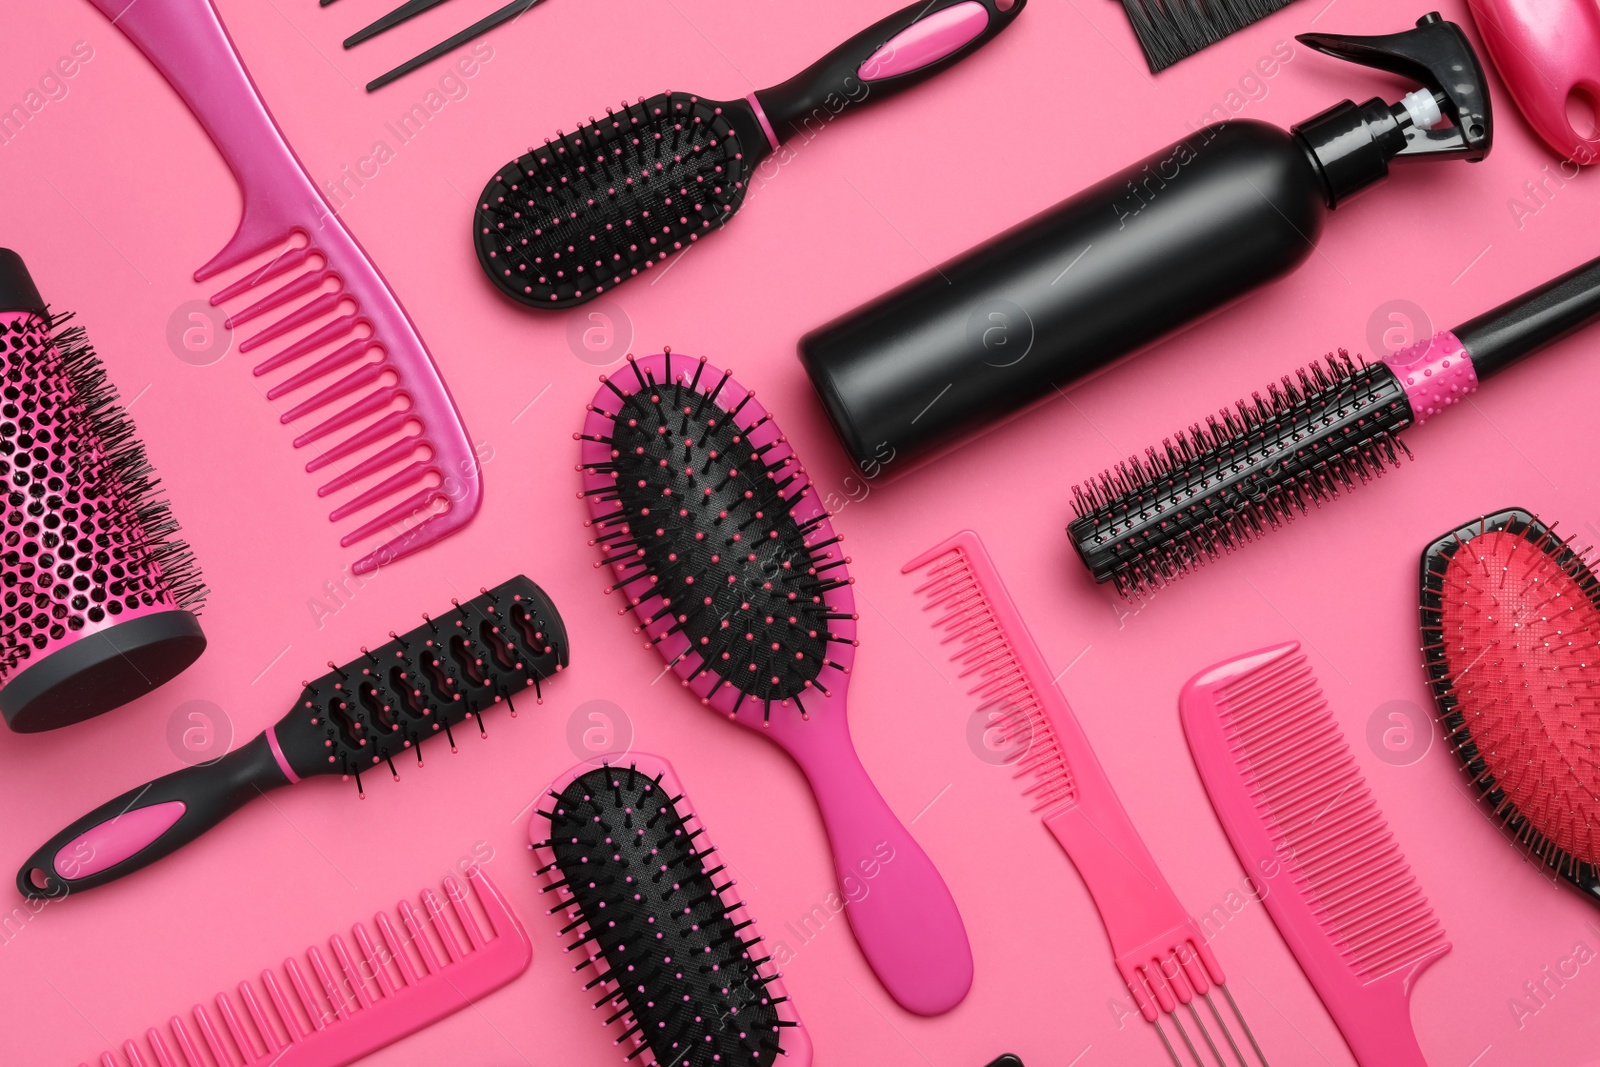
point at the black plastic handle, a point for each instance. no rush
(139, 827)
(1497, 339)
(838, 80)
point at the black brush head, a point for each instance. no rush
(726, 563)
(423, 683)
(1170, 30)
(676, 963)
(1215, 487)
(582, 213)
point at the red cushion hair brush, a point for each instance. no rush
(1510, 626)
(1212, 488)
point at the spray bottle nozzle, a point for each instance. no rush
(1449, 118)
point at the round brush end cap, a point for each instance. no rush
(102, 671)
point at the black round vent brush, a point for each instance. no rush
(1214, 487)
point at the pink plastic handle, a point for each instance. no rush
(927, 41)
(901, 912)
(1545, 51)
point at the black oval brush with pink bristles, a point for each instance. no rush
(587, 210)
(1213, 488)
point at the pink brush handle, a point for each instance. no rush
(903, 915)
(1545, 49)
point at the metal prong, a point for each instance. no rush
(1178, 1024)
(1165, 1043)
(1226, 1032)
(1248, 1033)
(1205, 1033)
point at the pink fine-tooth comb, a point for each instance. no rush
(397, 412)
(1160, 950)
(405, 980)
(1547, 51)
(1308, 833)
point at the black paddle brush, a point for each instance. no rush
(584, 212)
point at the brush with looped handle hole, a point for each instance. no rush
(355, 719)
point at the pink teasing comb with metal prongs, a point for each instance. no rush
(393, 419)
(402, 981)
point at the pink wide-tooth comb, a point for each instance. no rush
(411, 975)
(1308, 833)
(395, 417)
(729, 561)
(1159, 949)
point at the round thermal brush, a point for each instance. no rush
(97, 595)
(584, 212)
(1511, 634)
(733, 570)
(1213, 488)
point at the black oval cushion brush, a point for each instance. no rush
(584, 212)
(1511, 638)
(352, 719)
(1213, 488)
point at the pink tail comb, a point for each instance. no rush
(394, 421)
(355, 1005)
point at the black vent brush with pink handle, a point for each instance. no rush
(357, 718)
(587, 210)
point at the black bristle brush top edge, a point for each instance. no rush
(354, 719)
(1219, 485)
(1172, 30)
(646, 897)
(1442, 682)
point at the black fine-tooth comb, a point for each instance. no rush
(675, 958)
(352, 719)
(565, 222)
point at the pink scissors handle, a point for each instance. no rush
(1547, 50)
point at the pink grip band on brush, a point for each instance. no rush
(1437, 372)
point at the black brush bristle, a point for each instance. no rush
(1170, 30)
(423, 683)
(675, 961)
(584, 212)
(748, 589)
(1212, 488)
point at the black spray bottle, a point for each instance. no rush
(1133, 259)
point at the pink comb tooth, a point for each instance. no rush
(323, 335)
(377, 431)
(309, 312)
(383, 489)
(374, 961)
(280, 1003)
(453, 948)
(385, 457)
(349, 383)
(406, 509)
(342, 1008)
(308, 999)
(264, 1027)
(219, 1049)
(164, 1058)
(241, 1039)
(369, 404)
(305, 283)
(340, 357)
(273, 268)
(397, 949)
(469, 923)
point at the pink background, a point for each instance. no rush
(113, 195)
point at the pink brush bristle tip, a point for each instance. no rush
(396, 980)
